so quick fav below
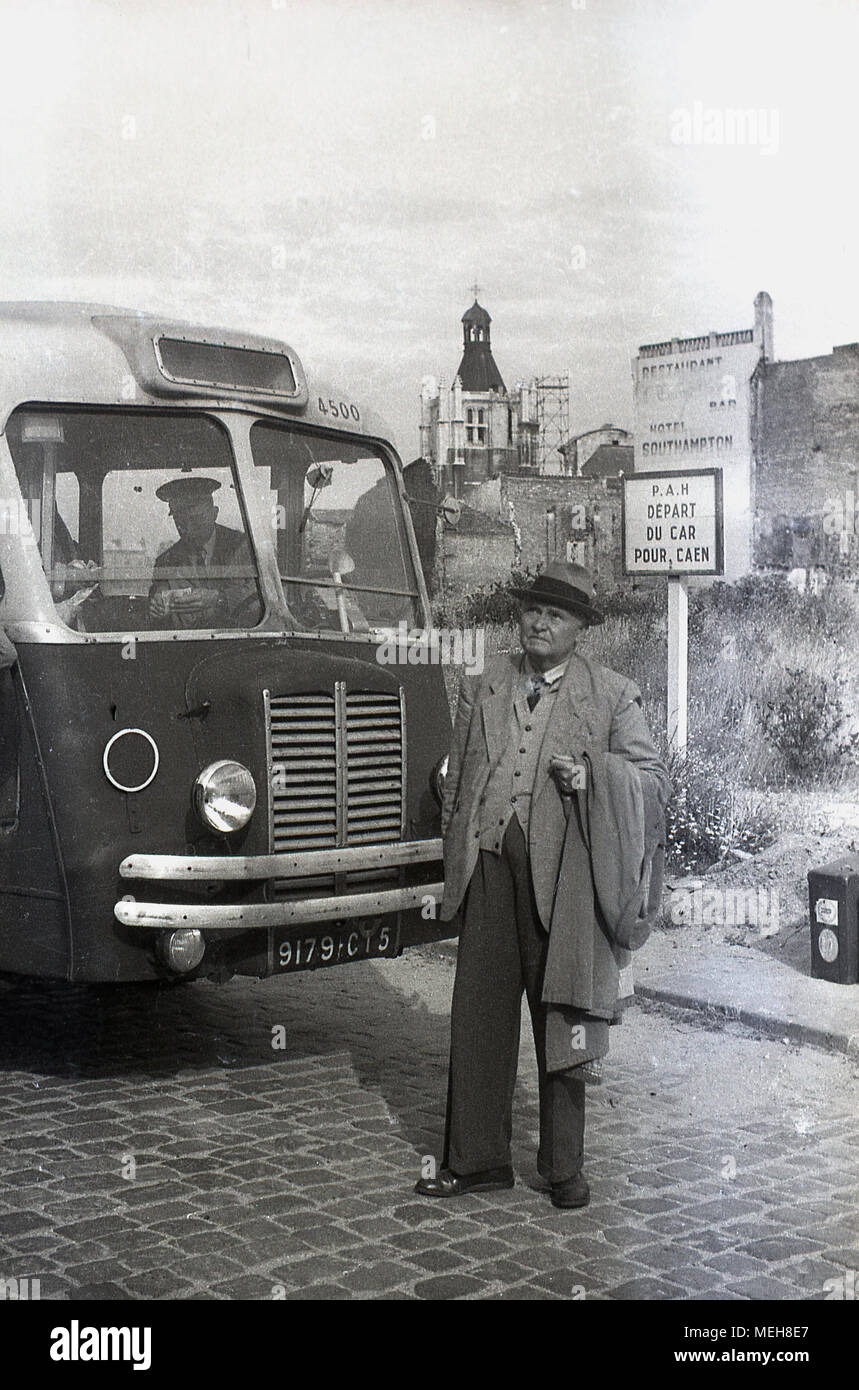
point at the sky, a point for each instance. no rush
(338, 175)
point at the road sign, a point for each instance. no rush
(673, 523)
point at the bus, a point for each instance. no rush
(207, 768)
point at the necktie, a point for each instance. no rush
(537, 684)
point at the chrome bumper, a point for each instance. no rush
(175, 868)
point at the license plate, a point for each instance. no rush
(336, 944)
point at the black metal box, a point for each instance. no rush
(833, 895)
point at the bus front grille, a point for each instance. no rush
(303, 772)
(373, 767)
(336, 768)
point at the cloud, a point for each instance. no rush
(338, 174)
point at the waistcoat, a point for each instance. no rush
(511, 782)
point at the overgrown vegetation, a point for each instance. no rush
(805, 722)
(495, 606)
(711, 814)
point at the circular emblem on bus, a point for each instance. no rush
(130, 760)
(827, 945)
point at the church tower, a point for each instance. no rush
(475, 429)
(477, 370)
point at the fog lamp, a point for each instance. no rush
(225, 796)
(182, 950)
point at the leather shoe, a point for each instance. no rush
(446, 1183)
(573, 1192)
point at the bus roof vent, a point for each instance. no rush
(225, 367)
(169, 358)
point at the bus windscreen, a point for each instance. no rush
(138, 519)
(342, 553)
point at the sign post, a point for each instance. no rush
(678, 660)
(673, 525)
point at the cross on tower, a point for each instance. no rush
(475, 289)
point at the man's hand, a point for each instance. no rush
(86, 567)
(67, 608)
(569, 774)
(192, 600)
(185, 604)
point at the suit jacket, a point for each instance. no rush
(181, 554)
(595, 710)
(230, 547)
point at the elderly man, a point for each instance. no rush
(552, 795)
(191, 590)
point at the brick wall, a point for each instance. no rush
(806, 442)
(468, 562)
(550, 512)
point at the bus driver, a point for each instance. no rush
(193, 591)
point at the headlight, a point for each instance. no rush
(437, 778)
(225, 796)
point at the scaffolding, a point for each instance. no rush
(552, 395)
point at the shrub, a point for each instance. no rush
(745, 639)
(709, 814)
(497, 604)
(644, 604)
(804, 719)
(494, 606)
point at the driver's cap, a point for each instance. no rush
(187, 489)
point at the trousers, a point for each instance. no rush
(501, 952)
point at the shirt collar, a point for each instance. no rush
(552, 676)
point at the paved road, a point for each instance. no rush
(164, 1144)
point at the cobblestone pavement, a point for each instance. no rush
(161, 1144)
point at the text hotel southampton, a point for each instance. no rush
(693, 410)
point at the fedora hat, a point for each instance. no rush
(564, 586)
